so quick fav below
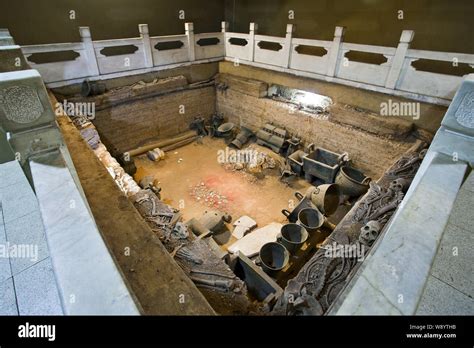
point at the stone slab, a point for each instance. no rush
(243, 225)
(7, 296)
(36, 290)
(367, 296)
(454, 262)
(441, 299)
(83, 266)
(462, 214)
(469, 183)
(11, 173)
(250, 244)
(27, 232)
(5, 269)
(17, 200)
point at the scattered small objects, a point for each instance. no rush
(209, 197)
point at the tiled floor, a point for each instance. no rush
(27, 281)
(450, 286)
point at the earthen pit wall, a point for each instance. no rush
(369, 152)
(136, 122)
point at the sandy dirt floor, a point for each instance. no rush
(185, 169)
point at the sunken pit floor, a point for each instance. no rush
(195, 168)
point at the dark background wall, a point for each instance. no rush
(442, 25)
(47, 21)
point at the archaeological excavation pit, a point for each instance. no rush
(247, 183)
(225, 173)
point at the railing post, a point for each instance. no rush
(145, 36)
(224, 29)
(189, 27)
(399, 58)
(91, 59)
(334, 51)
(289, 34)
(252, 31)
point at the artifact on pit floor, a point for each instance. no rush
(156, 154)
(292, 236)
(148, 182)
(241, 138)
(216, 121)
(91, 88)
(322, 164)
(303, 202)
(91, 136)
(407, 166)
(296, 161)
(219, 284)
(215, 220)
(198, 228)
(272, 137)
(293, 145)
(259, 284)
(325, 197)
(198, 125)
(285, 170)
(243, 225)
(380, 203)
(202, 232)
(315, 286)
(186, 254)
(352, 182)
(311, 219)
(180, 231)
(273, 258)
(369, 232)
(399, 184)
(251, 243)
(225, 130)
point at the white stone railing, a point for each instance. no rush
(94, 64)
(396, 76)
